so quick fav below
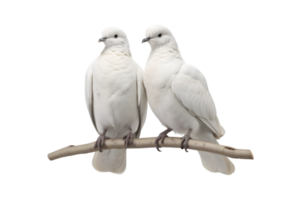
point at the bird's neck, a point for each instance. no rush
(167, 50)
(119, 50)
(173, 45)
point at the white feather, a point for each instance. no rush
(115, 97)
(197, 99)
(178, 95)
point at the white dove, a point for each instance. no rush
(178, 95)
(116, 99)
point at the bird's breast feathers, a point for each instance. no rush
(115, 77)
(159, 75)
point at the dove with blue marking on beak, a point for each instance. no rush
(115, 98)
(179, 97)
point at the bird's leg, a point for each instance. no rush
(161, 137)
(128, 139)
(100, 141)
(185, 139)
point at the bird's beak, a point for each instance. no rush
(146, 39)
(102, 39)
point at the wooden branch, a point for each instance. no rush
(148, 143)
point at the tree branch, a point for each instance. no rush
(148, 143)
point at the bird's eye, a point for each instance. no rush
(159, 35)
(116, 36)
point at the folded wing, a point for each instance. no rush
(89, 93)
(142, 100)
(192, 91)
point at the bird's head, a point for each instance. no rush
(114, 37)
(158, 36)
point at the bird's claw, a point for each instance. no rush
(184, 142)
(128, 139)
(161, 136)
(100, 142)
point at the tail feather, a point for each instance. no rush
(113, 160)
(216, 163)
(211, 161)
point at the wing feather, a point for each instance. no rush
(89, 93)
(142, 100)
(195, 96)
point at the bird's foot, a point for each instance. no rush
(100, 141)
(161, 137)
(128, 139)
(185, 139)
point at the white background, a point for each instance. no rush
(46, 96)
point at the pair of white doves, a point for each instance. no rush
(116, 88)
